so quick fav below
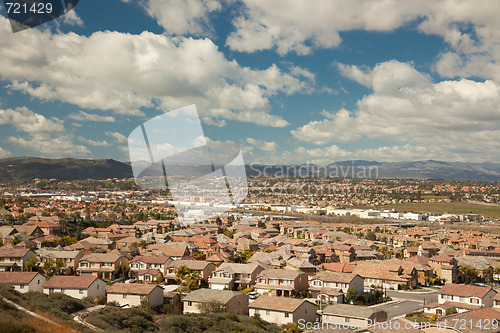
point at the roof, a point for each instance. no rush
(348, 310)
(464, 290)
(210, 295)
(190, 264)
(334, 276)
(170, 250)
(238, 268)
(15, 252)
(70, 282)
(102, 257)
(131, 288)
(17, 277)
(280, 273)
(151, 259)
(275, 303)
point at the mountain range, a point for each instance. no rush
(14, 169)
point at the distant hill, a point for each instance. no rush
(26, 168)
(14, 169)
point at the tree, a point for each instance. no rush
(31, 265)
(370, 235)
(351, 294)
(49, 267)
(59, 265)
(212, 307)
(181, 274)
(469, 272)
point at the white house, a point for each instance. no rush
(133, 294)
(23, 281)
(76, 286)
(283, 310)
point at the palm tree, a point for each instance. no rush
(49, 267)
(59, 266)
(31, 264)
(181, 274)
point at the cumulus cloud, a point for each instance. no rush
(268, 146)
(4, 153)
(120, 138)
(84, 116)
(46, 136)
(126, 73)
(179, 17)
(452, 120)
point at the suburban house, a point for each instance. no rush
(141, 263)
(14, 258)
(76, 286)
(48, 228)
(23, 281)
(71, 259)
(281, 282)
(134, 294)
(379, 275)
(461, 298)
(203, 268)
(281, 311)
(102, 265)
(445, 267)
(175, 252)
(30, 230)
(234, 301)
(353, 316)
(331, 287)
(303, 265)
(232, 275)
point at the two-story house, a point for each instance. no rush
(232, 275)
(141, 263)
(282, 311)
(102, 265)
(201, 267)
(71, 259)
(76, 286)
(331, 287)
(14, 258)
(281, 282)
(461, 298)
(379, 275)
(445, 267)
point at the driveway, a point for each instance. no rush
(427, 296)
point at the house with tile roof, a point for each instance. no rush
(133, 294)
(281, 282)
(13, 258)
(461, 298)
(281, 310)
(201, 267)
(23, 281)
(234, 275)
(331, 287)
(102, 265)
(76, 286)
(352, 316)
(234, 301)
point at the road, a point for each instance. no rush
(428, 297)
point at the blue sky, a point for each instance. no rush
(289, 81)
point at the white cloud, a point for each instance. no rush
(46, 136)
(268, 146)
(95, 143)
(84, 116)
(4, 153)
(72, 18)
(120, 138)
(125, 73)
(301, 26)
(180, 17)
(449, 120)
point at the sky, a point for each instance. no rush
(289, 81)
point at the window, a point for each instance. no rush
(261, 280)
(80, 291)
(21, 286)
(347, 319)
(38, 282)
(63, 290)
(97, 287)
(124, 295)
(287, 315)
(190, 303)
(51, 290)
(268, 313)
(257, 311)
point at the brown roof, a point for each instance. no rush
(151, 259)
(191, 264)
(15, 252)
(70, 282)
(337, 267)
(464, 290)
(102, 257)
(334, 276)
(17, 277)
(280, 273)
(169, 250)
(129, 288)
(274, 303)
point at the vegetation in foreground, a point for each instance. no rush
(113, 319)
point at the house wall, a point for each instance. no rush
(37, 283)
(307, 312)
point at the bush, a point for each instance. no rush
(127, 320)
